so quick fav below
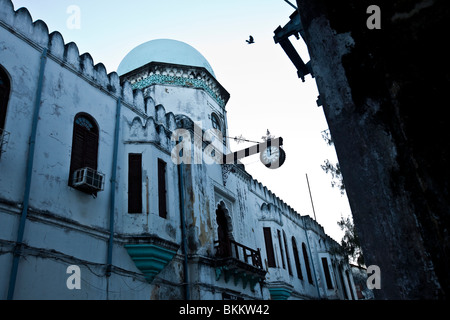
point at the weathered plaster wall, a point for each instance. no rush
(383, 93)
(65, 226)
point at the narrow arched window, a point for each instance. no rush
(297, 259)
(281, 249)
(288, 259)
(308, 267)
(84, 147)
(269, 247)
(4, 97)
(326, 271)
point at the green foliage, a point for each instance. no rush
(334, 169)
(336, 175)
(350, 241)
(327, 137)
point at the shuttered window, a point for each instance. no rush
(135, 183)
(308, 267)
(4, 97)
(288, 259)
(269, 247)
(281, 249)
(162, 191)
(297, 259)
(84, 144)
(326, 271)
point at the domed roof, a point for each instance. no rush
(166, 51)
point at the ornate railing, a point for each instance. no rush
(236, 250)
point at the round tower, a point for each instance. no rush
(177, 76)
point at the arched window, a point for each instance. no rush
(326, 271)
(215, 122)
(281, 249)
(297, 259)
(269, 247)
(84, 144)
(223, 231)
(4, 97)
(288, 259)
(308, 267)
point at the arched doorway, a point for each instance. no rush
(223, 231)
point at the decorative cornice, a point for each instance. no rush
(177, 75)
(280, 290)
(239, 270)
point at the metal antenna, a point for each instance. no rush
(291, 4)
(241, 139)
(312, 203)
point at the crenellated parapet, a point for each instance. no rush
(36, 34)
(271, 200)
(157, 129)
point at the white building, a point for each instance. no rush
(93, 204)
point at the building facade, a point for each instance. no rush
(96, 204)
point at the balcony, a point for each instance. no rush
(236, 260)
(150, 254)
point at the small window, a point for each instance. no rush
(162, 191)
(135, 183)
(297, 259)
(326, 271)
(288, 260)
(308, 267)
(281, 249)
(84, 145)
(215, 121)
(4, 96)
(269, 247)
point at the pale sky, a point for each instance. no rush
(262, 81)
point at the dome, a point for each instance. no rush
(166, 51)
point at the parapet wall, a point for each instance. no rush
(37, 35)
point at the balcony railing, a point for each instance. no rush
(234, 260)
(236, 250)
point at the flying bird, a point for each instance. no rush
(250, 40)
